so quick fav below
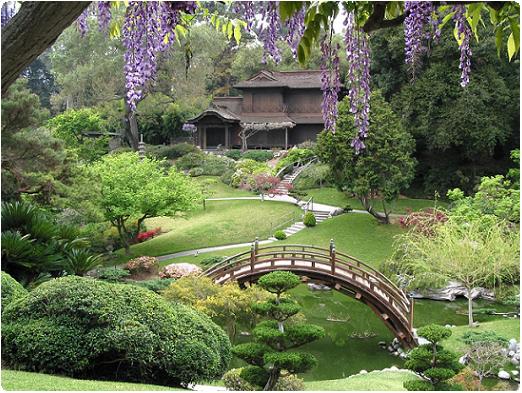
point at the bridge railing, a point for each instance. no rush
(324, 260)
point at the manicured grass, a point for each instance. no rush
(213, 187)
(332, 196)
(508, 328)
(372, 381)
(21, 380)
(359, 235)
(222, 222)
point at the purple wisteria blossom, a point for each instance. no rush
(416, 22)
(330, 83)
(295, 26)
(81, 22)
(104, 15)
(246, 10)
(7, 11)
(270, 31)
(358, 57)
(464, 31)
(189, 127)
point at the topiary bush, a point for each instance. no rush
(234, 154)
(280, 235)
(197, 171)
(309, 219)
(11, 290)
(258, 155)
(88, 328)
(112, 274)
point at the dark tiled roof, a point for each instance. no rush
(264, 117)
(306, 118)
(309, 79)
(217, 111)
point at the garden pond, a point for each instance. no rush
(353, 331)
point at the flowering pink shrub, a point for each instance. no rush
(142, 236)
(178, 270)
(143, 265)
(423, 221)
(265, 182)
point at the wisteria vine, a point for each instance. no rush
(358, 78)
(150, 27)
(464, 31)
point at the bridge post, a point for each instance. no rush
(253, 252)
(332, 255)
(410, 321)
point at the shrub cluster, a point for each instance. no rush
(112, 274)
(173, 151)
(211, 261)
(11, 290)
(199, 164)
(156, 285)
(143, 265)
(280, 235)
(142, 236)
(293, 156)
(314, 176)
(256, 155)
(245, 172)
(89, 328)
(309, 219)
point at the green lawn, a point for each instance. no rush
(334, 197)
(222, 222)
(215, 188)
(358, 235)
(375, 380)
(21, 380)
(508, 328)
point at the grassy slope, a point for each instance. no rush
(215, 188)
(223, 222)
(508, 328)
(354, 234)
(376, 380)
(332, 196)
(21, 380)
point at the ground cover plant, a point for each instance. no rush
(123, 332)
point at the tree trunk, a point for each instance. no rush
(131, 127)
(470, 308)
(383, 219)
(34, 28)
(272, 379)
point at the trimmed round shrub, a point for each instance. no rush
(234, 154)
(87, 328)
(233, 381)
(178, 270)
(112, 274)
(143, 265)
(190, 160)
(11, 290)
(197, 171)
(280, 235)
(290, 382)
(309, 219)
(258, 155)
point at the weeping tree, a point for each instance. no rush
(476, 253)
(270, 354)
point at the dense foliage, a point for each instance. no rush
(269, 354)
(11, 290)
(386, 166)
(122, 332)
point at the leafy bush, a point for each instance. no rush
(112, 274)
(234, 154)
(197, 171)
(293, 156)
(89, 328)
(316, 175)
(175, 151)
(245, 172)
(143, 265)
(79, 261)
(156, 285)
(11, 290)
(215, 165)
(424, 221)
(309, 219)
(226, 177)
(211, 261)
(190, 160)
(142, 236)
(280, 235)
(258, 155)
(266, 183)
(233, 381)
(289, 382)
(472, 337)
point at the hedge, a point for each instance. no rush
(88, 328)
(11, 290)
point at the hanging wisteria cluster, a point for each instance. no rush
(358, 78)
(104, 15)
(269, 32)
(464, 31)
(247, 11)
(295, 28)
(330, 83)
(7, 11)
(417, 26)
(81, 22)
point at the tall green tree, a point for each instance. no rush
(269, 355)
(131, 189)
(381, 171)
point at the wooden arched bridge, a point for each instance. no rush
(337, 270)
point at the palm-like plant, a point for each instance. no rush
(79, 261)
